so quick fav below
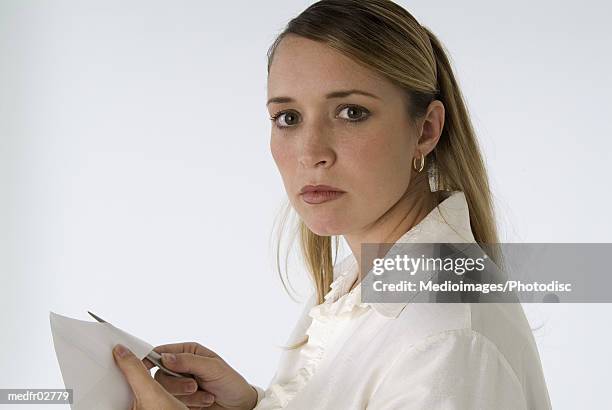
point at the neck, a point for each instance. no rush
(408, 211)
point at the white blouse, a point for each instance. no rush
(391, 356)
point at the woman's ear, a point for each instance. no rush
(431, 127)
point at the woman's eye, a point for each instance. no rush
(285, 119)
(351, 113)
(354, 113)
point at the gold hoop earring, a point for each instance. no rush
(422, 164)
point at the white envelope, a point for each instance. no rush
(84, 352)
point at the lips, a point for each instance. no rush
(319, 188)
(318, 194)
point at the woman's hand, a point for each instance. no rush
(148, 393)
(219, 384)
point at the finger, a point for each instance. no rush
(188, 347)
(200, 398)
(178, 386)
(148, 364)
(134, 370)
(214, 406)
(206, 368)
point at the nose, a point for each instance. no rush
(315, 149)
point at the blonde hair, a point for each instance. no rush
(389, 40)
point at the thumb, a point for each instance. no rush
(134, 370)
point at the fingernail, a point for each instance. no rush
(209, 398)
(169, 357)
(191, 387)
(121, 350)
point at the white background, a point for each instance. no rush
(136, 179)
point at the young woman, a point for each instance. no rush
(373, 142)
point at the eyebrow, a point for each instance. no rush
(334, 94)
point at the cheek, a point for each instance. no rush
(283, 156)
(379, 165)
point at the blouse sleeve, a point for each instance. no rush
(298, 331)
(260, 393)
(453, 370)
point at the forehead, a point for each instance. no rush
(305, 66)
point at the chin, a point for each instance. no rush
(324, 222)
(323, 228)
